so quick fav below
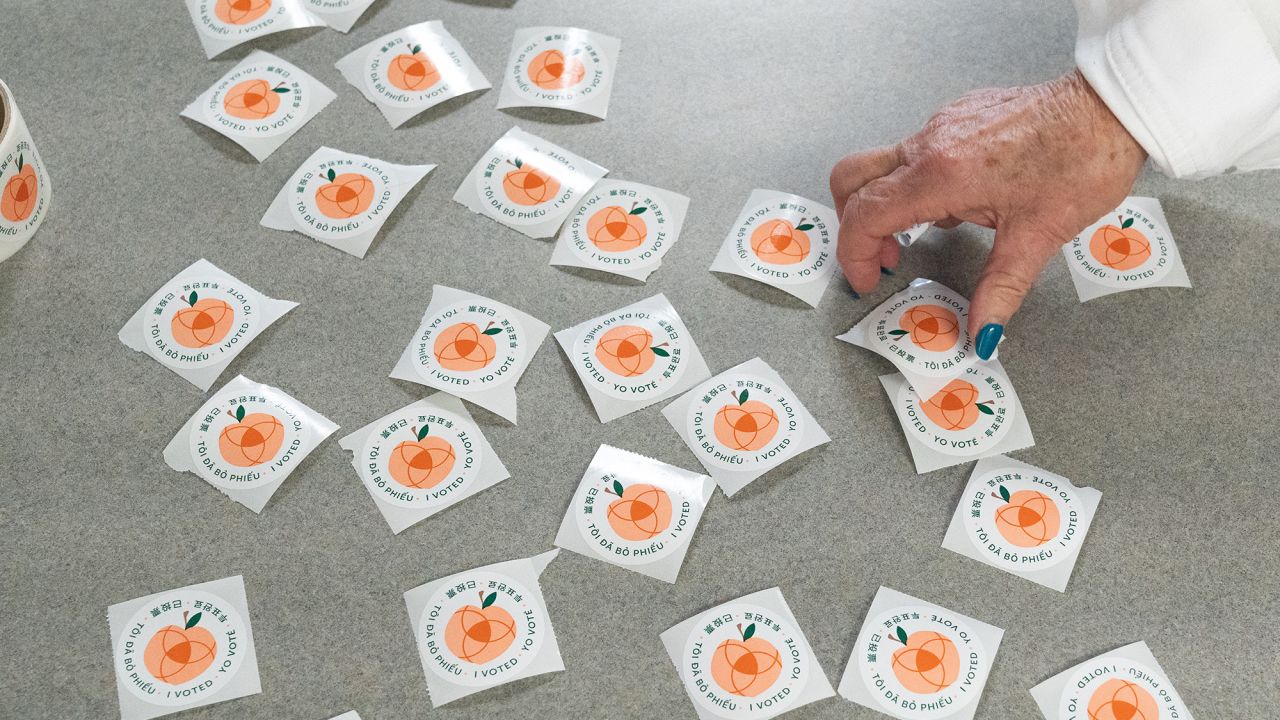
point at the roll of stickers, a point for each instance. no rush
(24, 184)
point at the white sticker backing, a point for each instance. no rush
(1124, 684)
(621, 227)
(560, 67)
(340, 15)
(1128, 249)
(224, 24)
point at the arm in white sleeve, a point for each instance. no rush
(1196, 82)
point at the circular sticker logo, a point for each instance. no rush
(259, 100)
(925, 331)
(193, 323)
(620, 226)
(562, 68)
(632, 522)
(1122, 250)
(407, 71)
(340, 197)
(632, 352)
(23, 190)
(971, 414)
(1117, 688)
(744, 422)
(179, 647)
(421, 459)
(246, 440)
(469, 345)
(922, 662)
(743, 660)
(1022, 520)
(785, 242)
(526, 188)
(481, 628)
(237, 18)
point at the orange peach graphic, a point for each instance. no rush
(345, 195)
(1120, 248)
(18, 199)
(956, 406)
(251, 440)
(927, 663)
(628, 350)
(1029, 518)
(641, 511)
(253, 99)
(614, 229)
(527, 185)
(778, 242)
(480, 633)
(746, 667)
(175, 655)
(551, 70)
(1118, 699)
(412, 71)
(931, 327)
(421, 463)
(240, 12)
(746, 425)
(206, 322)
(464, 347)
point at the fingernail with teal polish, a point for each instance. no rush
(988, 338)
(856, 296)
(885, 271)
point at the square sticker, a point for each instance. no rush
(1130, 248)
(1124, 683)
(560, 67)
(224, 24)
(621, 227)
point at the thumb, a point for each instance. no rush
(1017, 257)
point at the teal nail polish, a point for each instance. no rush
(856, 296)
(885, 271)
(988, 338)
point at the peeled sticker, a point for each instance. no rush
(183, 649)
(746, 658)
(423, 458)
(560, 67)
(527, 183)
(924, 331)
(25, 189)
(261, 103)
(782, 240)
(621, 227)
(224, 24)
(340, 15)
(199, 321)
(1023, 520)
(246, 439)
(411, 70)
(1129, 249)
(919, 661)
(743, 423)
(974, 416)
(484, 627)
(473, 348)
(1124, 683)
(342, 199)
(633, 357)
(635, 512)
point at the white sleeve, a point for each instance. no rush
(1196, 82)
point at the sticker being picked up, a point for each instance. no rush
(633, 357)
(183, 649)
(746, 658)
(621, 227)
(924, 331)
(260, 103)
(340, 15)
(635, 512)
(199, 321)
(1129, 249)
(422, 459)
(1023, 520)
(527, 183)
(974, 416)
(918, 661)
(560, 67)
(742, 423)
(484, 627)
(224, 24)
(1124, 684)
(246, 439)
(473, 348)
(410, 70)
(342, 199)
(782, 240)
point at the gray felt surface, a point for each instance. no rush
(1163, 399)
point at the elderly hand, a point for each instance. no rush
(1039, 164)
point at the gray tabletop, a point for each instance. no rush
(1163, 399)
